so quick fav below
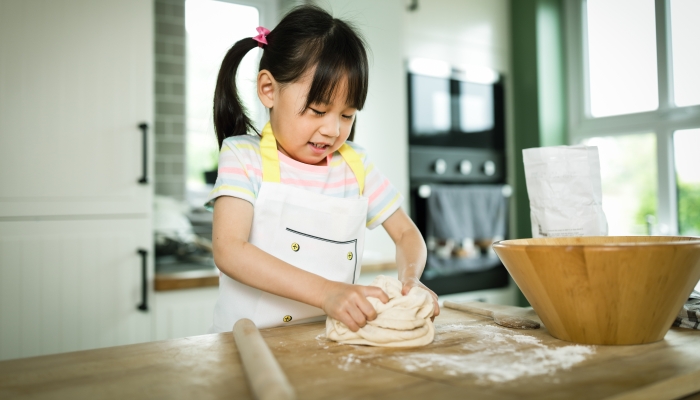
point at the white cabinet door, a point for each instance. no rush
(72, 285)
(182, 313)
(76, 80)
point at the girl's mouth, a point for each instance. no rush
(318, 148)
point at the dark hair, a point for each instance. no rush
(306, 37)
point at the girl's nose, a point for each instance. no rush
(331, 127)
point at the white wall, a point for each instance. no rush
(461, 32)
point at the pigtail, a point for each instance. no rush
(230, 118)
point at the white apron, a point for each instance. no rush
(320, 234)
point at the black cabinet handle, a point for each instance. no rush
(144, 281)
(144, 130)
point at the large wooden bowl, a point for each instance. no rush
(605, 290)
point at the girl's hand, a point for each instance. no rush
(408, 283)
(348, 303)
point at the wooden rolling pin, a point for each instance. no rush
(508, 321)
(265, 377)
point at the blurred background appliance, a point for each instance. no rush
(455, 108)
(178, 244)
(459, 195)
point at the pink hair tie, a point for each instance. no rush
(262, 37)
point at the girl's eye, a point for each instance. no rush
(349, 116)
(319, 113)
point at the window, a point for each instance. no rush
(212, 27)
(634, 92)
(621, 47)
(629, 182)
(685, 31)
(687, 150)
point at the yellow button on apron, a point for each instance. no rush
(295, 246)
(287, 318)
(349, 255)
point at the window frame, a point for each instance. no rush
(663, 122)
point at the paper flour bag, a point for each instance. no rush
(563, 184)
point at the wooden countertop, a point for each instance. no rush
(186, 280)
(470, 358)
(210, 277)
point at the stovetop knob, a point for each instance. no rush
(489, 168)
(465, 167)
(440, 166)
(424, 191)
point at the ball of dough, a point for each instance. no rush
(404, 321)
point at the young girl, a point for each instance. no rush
(291, 205)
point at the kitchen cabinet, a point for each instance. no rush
(71, 285)
(76, 80)
(181, 313)
(76, 83)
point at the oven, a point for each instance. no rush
(457, 173)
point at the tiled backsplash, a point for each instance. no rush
(170, 98)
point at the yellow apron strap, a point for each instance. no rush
(353, 159)
(271, 162)
(270, 159)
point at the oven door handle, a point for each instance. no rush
(424, 191)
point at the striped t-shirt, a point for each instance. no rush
(240, 175)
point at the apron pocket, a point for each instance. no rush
(331, 259)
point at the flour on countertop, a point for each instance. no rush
(450, 328)
(348, 361)
(497, 355)
(322, 341)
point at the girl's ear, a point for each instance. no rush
(266, 88)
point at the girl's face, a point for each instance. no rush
(306, 135)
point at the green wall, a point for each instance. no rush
(539, 91)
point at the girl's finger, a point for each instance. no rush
(367, 309)
(436, 305)
(358, 317)
(373, 291)
(349, 321)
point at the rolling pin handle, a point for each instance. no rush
(264, 374)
